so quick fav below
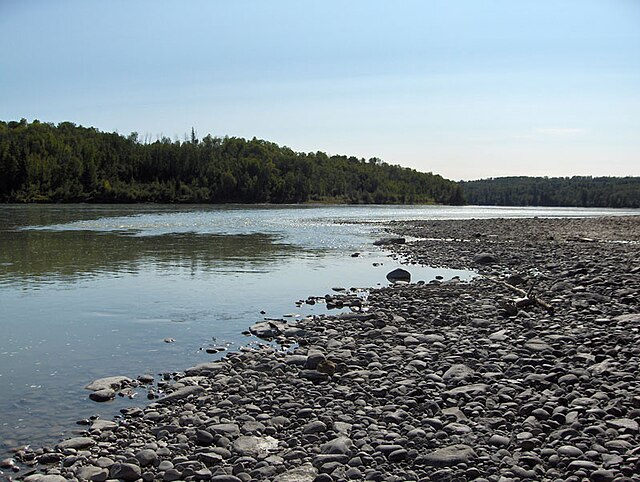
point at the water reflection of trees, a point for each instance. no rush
(44, 256)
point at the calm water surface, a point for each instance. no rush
(89, 291)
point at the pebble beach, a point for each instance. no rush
(530, 371)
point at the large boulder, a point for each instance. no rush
(399, 274)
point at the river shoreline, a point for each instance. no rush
(438, 381)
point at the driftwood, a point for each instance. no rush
(527, 294)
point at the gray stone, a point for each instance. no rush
(145, 379)
(203, 437)
(399, 274)
(449, 456)
(77, 443)
(389, 240)
(536, 344)
(485, 258)
(126, 472)
(458, 372)
(230, 429)
(146, 457)
(398, 455)
(205, 369)
(181, 393)
(103, 425)
(569, 451)
(103, 395)
(468, 389)
(171, 475)
(602, 475)
(7, 463)
(304, 473)
(499, 440)
(313, 375)
(254, 446)
(315, 427)
(44, 478)
(314, 357)
(582, 464)
(113, 383)
(93, 473)
(624, 425)
(338, 445)
(210, 459)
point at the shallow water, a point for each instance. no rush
(88, 291)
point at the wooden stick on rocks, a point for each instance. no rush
(522, 292)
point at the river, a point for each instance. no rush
(89, 291)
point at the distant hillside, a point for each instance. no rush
(43, 162)
(612, 192)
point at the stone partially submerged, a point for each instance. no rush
(399, 274)
(389, 240)
(112, 383)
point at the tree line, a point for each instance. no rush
(43, 162)
(577, 191)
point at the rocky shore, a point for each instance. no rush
(444, 380)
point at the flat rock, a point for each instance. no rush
(204, 369)
(91, 472)
(313, 375)
(467, 389)
(103, 425)
(537, 345)
(225, 478)
(624, 424)
(389, 240)
(181, 393)
(77, 443)
(44, 478)
(231, 429)
(113, 383)
(268, 329)
(449, 456)
(500, 335)
(254, 446)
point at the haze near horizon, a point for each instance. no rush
(464, 89)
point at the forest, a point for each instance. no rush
(577, 191)
(43, 162)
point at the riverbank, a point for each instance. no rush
(436, 381)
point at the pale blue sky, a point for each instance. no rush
(462, 88)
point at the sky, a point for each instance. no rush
(467, 89)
